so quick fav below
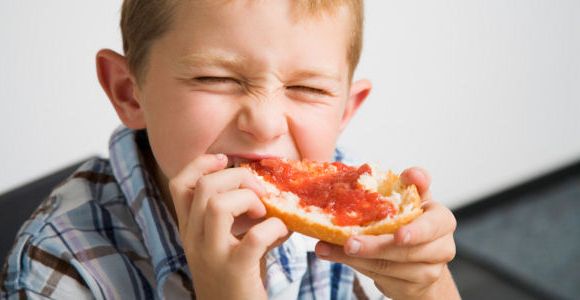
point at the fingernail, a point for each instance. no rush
(353, 247)
(221, 156)
(407, 238)
(323, 250)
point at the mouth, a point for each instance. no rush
(235, 160)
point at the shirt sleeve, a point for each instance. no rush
(35, 271)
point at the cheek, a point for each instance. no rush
(183, 130)
(315, 133)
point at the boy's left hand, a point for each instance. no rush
(412, 263)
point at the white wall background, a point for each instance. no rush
(484, 94)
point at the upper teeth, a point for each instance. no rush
(236, 161)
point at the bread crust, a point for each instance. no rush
(299, 221)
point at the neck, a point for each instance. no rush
(163, 185)
(160, 179)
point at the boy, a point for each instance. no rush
(204, 86)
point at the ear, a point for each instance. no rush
(120, 86)
(359, 90)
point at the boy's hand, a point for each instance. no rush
(412, 263)
(208, 200)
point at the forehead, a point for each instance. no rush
(269, 31)
(298, 9)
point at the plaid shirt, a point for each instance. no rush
(105, 234)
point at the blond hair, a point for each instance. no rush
(144, 21)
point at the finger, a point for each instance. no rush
(414, 272)
(441, 250)
(227, 180)
(260, 238)
(325, 250)
(219, 182)
(182, 186)
(221, 211)
(280, 241)
(395, 288)
(435, 222)
(419, 177)
(242, 224)
(369, 246)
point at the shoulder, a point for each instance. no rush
(83, 219)
(39, 269)
(85, 201)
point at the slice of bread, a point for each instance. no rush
(315, 222)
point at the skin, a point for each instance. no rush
(216, 93)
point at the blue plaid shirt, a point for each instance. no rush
(105, 234)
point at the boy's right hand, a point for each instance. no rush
(208, 199)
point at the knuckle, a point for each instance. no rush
(203, 185)
(202, 182)
(451, 252)
(254, 238)
(432, 274)
(453, 222)
(383, 265)
(215, 206)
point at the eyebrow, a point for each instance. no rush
(237, 62)
(212, 59)
(305, 74)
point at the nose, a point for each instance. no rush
(263, 121)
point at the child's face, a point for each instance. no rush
(248, 80)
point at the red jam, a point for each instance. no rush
(333, 187)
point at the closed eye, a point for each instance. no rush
(215, 80)
(308, 89)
